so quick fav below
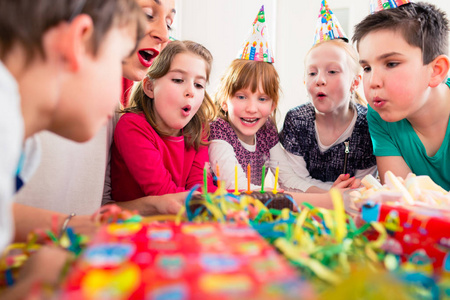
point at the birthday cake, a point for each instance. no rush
(269, 199)
(276, 201)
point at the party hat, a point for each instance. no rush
(377, 5)
(256, 46)
(328, 27)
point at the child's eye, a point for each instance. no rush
(392, 64)
(198, 85)
(312, 74)
(366, 69)
(176, 80)
(262, 99)
(149, 17)
(333, 72)
(169, 27)
(241, 97)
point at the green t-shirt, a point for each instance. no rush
(400, 139)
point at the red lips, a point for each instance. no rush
(147, 56)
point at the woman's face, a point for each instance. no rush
(160, 16)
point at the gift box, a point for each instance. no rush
(185, 261)
(420, 235)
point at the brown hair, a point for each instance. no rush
(196, 131)
(421, 24)
(243, 74)
(353, 58)
(25, 22)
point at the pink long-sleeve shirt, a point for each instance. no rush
(143, 163)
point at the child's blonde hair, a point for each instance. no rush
(353, 60)
(243, 74)
(196, 131)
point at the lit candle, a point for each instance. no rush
(236, 190)
(262, 178)
(277, 170)
(218, 175)
(249, 178)
(205, 179)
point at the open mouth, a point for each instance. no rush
(146, 56)
(321, 95)
(249, 121)
(186, 110)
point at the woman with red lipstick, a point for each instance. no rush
(160, 141)
(160, 16)
(327, 140)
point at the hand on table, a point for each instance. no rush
(344, 181)
(169, 204)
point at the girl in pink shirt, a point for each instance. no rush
(160, 143)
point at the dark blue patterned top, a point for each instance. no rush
(298, 137)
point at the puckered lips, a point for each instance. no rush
(186, 110)
(146, 56)
(378, 102)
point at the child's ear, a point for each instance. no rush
(76, 41)
(147, 86)
(356, 82)
(225, 106)
(440, 67)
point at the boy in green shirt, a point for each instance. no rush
(403, 52)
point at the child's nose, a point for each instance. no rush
(320, 80)
(251, 106)
(374, 79)
(189, 92)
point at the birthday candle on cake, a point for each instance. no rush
(236, 190)
(218, 175)
(263, 175)
(249, 178)
(205, 179)
(277, 170)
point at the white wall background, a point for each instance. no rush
(223, 25)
